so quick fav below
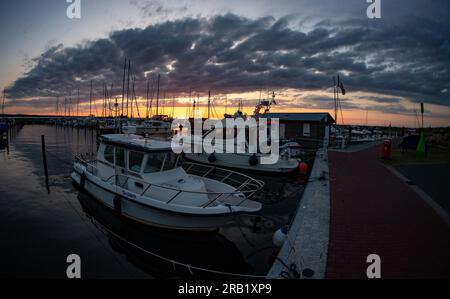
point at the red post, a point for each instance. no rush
(386, 150)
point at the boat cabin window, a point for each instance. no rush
(161, 161)
(109, 154)
(171, 161)
(120, 157)
(135, 161)
(154, 162)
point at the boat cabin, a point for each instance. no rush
(136, 155)
(146, 166)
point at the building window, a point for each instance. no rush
(306, 129)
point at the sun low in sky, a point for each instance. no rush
(240, 50)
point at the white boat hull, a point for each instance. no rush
(145, 130)
(241, 161)
(137, 211)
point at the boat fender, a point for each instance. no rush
(253, 160)
(280, 236)
(82, 180)
(118, 205)
(212, 158)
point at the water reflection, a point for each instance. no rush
(141, 243)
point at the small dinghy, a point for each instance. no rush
(143, 179)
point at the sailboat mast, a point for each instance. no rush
(110, 100)
(78, 101)
(209, 103)
(147, 107)
(157, 96)
(152, 95)
(335, 101)
(132, 96)
(128, 84)
(3, 103)
(173, 107)
(104, 100)
(57, 105)
(123, 85)
(90, 100)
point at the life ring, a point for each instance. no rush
(253, 160)
(212, 158)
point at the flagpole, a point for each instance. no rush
(335, 102)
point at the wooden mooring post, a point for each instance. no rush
(44, 160)
(7, 140)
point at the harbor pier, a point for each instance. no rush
(355, 205)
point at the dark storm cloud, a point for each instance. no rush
(389, 105)
(388, 100)
(407, 58)
(323, 102)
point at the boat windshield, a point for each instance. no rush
(135, 160)
(161, 161)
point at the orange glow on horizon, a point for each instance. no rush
(351, 117)
(437, 115)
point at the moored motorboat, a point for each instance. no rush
(250, 161)
(143, 179)
(247, 161)
(148, 127)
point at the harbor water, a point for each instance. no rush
(40, 227)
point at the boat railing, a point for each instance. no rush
(236, 179)
(245, 190)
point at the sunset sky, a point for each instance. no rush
(240, 50)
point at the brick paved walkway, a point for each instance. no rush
(373, 211)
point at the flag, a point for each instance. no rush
(341, 85)
(421, 147)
